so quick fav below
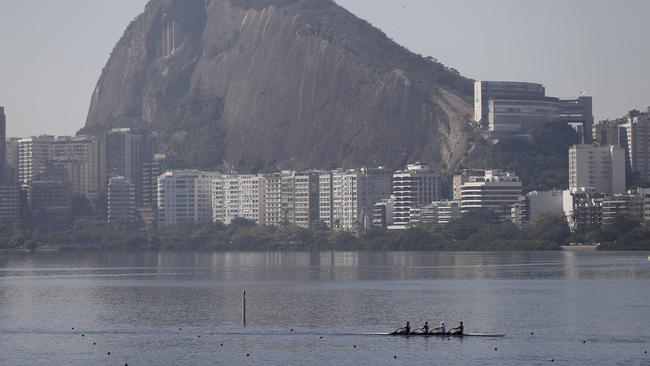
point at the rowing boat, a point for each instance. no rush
(412, 334)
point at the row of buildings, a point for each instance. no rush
(42, 175)
(340, 199)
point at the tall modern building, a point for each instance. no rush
(127, 149)
(80, 163)
(497, 190)
(50, 205)
(578, 113)
(10, 205)
(4, 173)
(12, 161)
(415, 186)
(121, 202)
(238, 196)
(34, 158)
(634, 136)
(185, 195)
(151, 170)
(599, 167)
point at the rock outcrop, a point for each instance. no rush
(288, 83)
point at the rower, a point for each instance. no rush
(458, 330)
(441, 329)
(407, 328)
(425, 327)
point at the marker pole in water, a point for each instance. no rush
(243, 308)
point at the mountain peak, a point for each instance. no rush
(289, 83)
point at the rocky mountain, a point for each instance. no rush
(279, 83)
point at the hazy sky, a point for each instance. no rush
(53, 51)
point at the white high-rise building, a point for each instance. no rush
(496, 190)
(33, 158)
(306, 197)
(416, 186)
(598, 167)
(185, 195)
(634, 136)
(240, 196)
(345, 200)
(354, 193)
(326, 198)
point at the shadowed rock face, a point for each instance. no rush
(293, 83)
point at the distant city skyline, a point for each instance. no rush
(52, 56)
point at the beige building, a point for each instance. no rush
(81, 162)
(635, 138)
(598, 167)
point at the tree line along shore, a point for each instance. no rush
(476, 231)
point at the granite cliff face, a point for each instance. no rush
(289, 83)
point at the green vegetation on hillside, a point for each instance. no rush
(541, 161)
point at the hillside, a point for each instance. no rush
(279, 83)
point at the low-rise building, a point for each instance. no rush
(583, 209)
(497, 190)
(537, 203)
(382, 213)
(437, 212)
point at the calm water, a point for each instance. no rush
(134, 306)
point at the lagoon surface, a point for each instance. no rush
(314, 308)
